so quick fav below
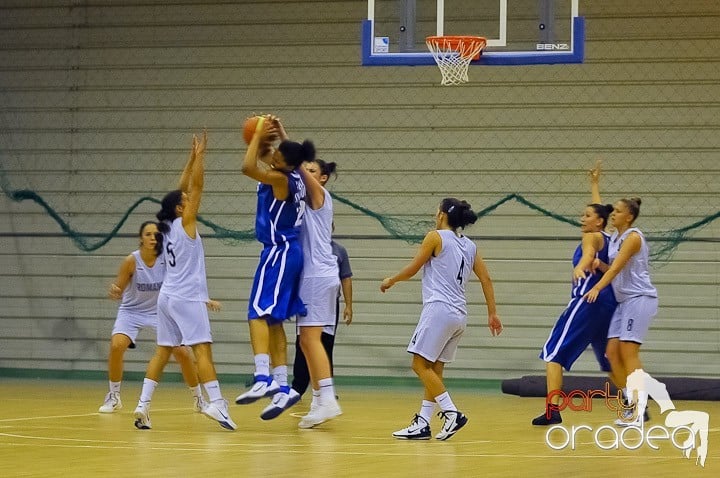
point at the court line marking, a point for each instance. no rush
(410, 453)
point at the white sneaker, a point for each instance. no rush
(454, 421)
(320, 414)
(264, 386)
(218, 410)
(198, 404)
(419, 429)
(281, 401)
(142, 416)
(112, 403)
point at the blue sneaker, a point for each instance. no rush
(263, 386)
(284, 399)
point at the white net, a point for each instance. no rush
(453, 55)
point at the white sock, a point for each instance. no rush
(196, 391)
(262, 364)
(445, 402)
(316, 398)
(427, 409)
(280, 375)
(148, 389)
(213, 390)
(115, 387)
(327, 390)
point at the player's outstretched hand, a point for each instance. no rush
(386, 284)
(595, 172)
(213, 305)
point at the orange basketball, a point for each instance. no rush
(249, 128)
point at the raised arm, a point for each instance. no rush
(195, 186)
(431, 245)
(480, 270)
(630, 246)
(315, 191)
(250, 167)
(279, 128)
(125, 273)
(595, 182)
(184, 183)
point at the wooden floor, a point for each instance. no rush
(51, 428)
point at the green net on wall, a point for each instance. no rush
(407, 228)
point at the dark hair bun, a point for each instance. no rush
(308, 150)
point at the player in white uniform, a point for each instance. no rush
(629, 273)
(137, 286)
(319, 288)
(447, 257)
(182, 313)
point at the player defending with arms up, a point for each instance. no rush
(447, 257)
(182, 311)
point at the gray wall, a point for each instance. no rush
(99, 102)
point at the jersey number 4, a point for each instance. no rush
(460, 272)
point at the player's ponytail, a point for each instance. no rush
(326, 169)
(459, 213)
(296, 153)
(168, 207)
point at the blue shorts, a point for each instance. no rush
(581, 324)
(275, 292)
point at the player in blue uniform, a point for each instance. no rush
(280, 208)
(581, 323)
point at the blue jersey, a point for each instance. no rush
(278, 221)
(584, 285)
(582, 323)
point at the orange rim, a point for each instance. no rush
(456, 41)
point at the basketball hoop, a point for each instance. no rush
(453, 55)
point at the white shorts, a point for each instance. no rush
(438, 332)
(129, 323)
(632, 317)
(182, 322)
(319, 294)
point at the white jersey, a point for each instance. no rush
(634, 279)
(140, 295)
(185, 258)
(315, 237)
(444, 276)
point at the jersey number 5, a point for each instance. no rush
(170, 253)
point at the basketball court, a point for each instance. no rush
(52, 428)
